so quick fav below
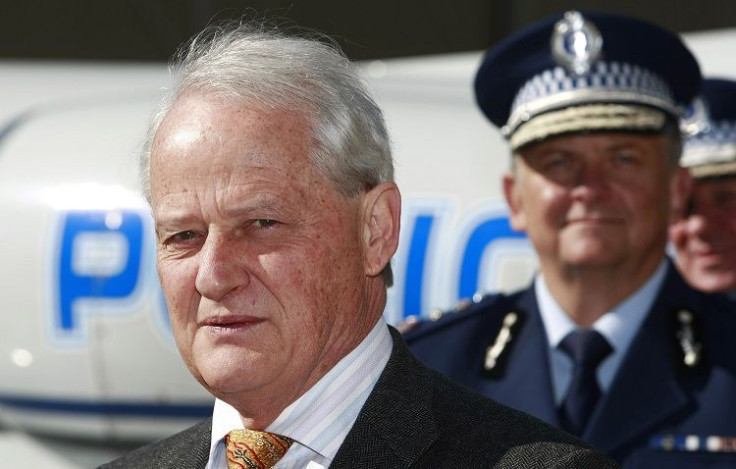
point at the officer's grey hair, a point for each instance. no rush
(265, 68)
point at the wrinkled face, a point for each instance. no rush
(260, 258)
(594, 200)
(705, 241)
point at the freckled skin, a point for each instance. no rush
(251, 237)
(705, 240)
(596, 207)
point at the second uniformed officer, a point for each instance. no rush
(705, 240)
(608, 342)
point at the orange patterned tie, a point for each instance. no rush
(250, 449)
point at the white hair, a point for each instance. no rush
(268, 69)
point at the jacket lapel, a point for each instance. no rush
(189, 449)
(396, 425)
(645, 391)
(526, 383)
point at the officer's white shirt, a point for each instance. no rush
(321, 418)
(618, 326)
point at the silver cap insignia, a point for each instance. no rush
(576, 43)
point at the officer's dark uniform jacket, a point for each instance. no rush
(672, 403)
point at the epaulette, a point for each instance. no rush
(416, 323)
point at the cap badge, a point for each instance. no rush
(696, 119)
(576, 43)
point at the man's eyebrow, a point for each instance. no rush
(541, 153)
(622, 145)
(173, 219)
(259, 205)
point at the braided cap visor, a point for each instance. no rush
(588, 118)
(714, 170)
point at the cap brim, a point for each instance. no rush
(714, 170)
(588, 118)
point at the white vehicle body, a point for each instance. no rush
(86, 349)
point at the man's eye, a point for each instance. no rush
(265, 223)
(557, 160)
(183, 237)
(625, 158)
(554, 156)
(726, 199)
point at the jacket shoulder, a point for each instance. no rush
(489, 309)
(187, 449)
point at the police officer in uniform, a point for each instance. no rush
(608, 342)
(705, 239)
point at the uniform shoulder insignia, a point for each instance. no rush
(497, 353)
(462, 305)
(412, 322)
(409, 323)
(688, 340)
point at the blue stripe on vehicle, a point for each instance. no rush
(109, 408)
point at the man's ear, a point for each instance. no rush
(680, 192)
(517, 217)
(382, 217)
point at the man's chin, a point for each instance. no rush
(227, 383)
(712, 277)
(229, 369)
(591, 255)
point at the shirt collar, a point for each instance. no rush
(321, 418)
(618, 326)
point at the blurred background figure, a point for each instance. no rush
(608, 342)
(705, 238)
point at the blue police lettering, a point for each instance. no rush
(99, 259)
(106, 259)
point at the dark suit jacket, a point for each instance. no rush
(653, 395)
(414, 418)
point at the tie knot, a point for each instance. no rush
(251, 449)
(586, 347)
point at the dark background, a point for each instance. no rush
(150, 30)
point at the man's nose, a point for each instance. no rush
(220, 270)
(698, 223)
(591, 181)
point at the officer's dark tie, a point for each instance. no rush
(587, 348)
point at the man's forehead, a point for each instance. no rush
(231, 147)
(604, 140)
(191, 107)
(214, 121)
(183, 134)
(726, 183)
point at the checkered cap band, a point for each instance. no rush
(718, 138)
(605, 82)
